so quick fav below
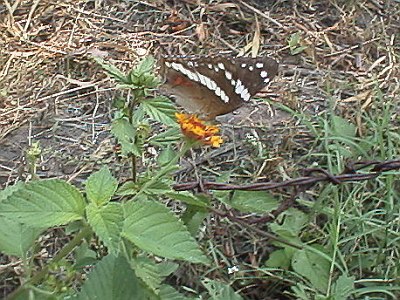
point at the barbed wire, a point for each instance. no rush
(351, 173)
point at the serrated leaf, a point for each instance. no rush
(112, 278)
(138, 116)
(128, 188)
(44, 204)
(158, 182)
(312, 266)
(147, 270)
(158, 187)
(107, 222)
(112, 70)
(100, 186)
(160, 109)
(126, 135)
(152, 273)
(154, 228)
(166, 138)
(16, 238)
(220, 291)
(252, 201)
(146, 65)
(10, 189)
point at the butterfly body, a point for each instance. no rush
(215, 85)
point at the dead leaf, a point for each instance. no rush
(255, 48)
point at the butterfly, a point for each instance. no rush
(214, 85)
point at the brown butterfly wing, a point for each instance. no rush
(215, 85)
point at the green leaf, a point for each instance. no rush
(139, 116)
(166, 156)
(166, 268)
(112, 70)
(146, 65)
(142, 76)
(154, 228)
(160, 109)
(44, 204)
(158, 187)
(294, 44)
(100, 186)
(312, 266)
(16, 238)
(128, 188)
(107, 222)
(84, 256)
(294, 220)
(119, 103)
(29, 293)
(302, 292)
(342, 127)
(294, 40)
(112, 278)
(252, 201)
(166, 138)
(189, 198)
(193, 220)
(126, 135)
(343, 288)
(147, 270)
(220, 291)
(167, 292)
(154, 183)
(10, 189)
(151, 273)
(298, 50)
(278, 259)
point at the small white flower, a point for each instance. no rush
(233, 269)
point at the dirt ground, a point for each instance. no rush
(52, 91)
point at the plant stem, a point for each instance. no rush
(165, 169)
(67, 249)
(133, 160)
(131, 108)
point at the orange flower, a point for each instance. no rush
(195, 129)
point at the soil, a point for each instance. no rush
(52, 91)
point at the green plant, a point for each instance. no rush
(140, 241)
(349, 228)
(130, 220)
(294, 44)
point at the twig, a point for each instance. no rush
(262, 14)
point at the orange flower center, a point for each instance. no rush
(195, 128)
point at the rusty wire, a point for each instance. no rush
(351, 173)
